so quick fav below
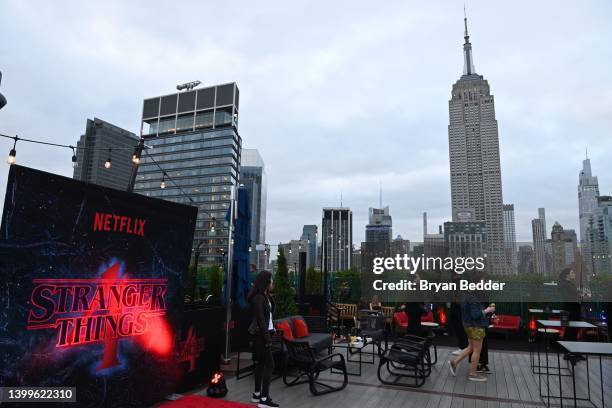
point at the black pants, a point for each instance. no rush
(457, 326)
(574, 311)
(264, 367)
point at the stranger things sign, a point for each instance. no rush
(91, 281)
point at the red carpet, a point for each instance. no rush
(196, 401)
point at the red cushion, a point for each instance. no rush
(429, 317)
(287, 333)
(301, 328)
(401, 319)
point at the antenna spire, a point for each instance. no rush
(468, 62)
(380, 193)
(465, 20)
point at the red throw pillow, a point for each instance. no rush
(301, 328)
(284, 326)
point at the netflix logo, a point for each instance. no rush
(119, 223)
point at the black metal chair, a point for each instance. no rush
(373, 325)
(405, 360)
(427, 342)
(309, 366)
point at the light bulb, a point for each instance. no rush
(135, 159)
(108, 163)
(162, 185)
(12, 157)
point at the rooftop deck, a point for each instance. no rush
(511, 384)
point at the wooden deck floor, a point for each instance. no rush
(512, 384)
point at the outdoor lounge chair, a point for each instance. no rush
(419, 342)
(405, 360)
(302, 358)
(319, 338)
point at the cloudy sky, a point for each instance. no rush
(337, 96)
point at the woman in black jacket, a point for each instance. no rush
(263, 329)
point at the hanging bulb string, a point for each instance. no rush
(21, 139)
(140, 146)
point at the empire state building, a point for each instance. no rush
(476, 188)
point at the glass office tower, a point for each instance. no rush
(193, 136)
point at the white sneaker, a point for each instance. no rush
(456, 352)
(477, 377)
(453, 368)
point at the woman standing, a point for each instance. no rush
(262, 328)
(474, 323)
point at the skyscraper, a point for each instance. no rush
(194, 139)
(542, 216)
(101, 141)
(253, 177)
(310, 235)
(465, 239)
(292, 250)
(380, 226)
(510, 239)
(599, 232)
(563, 247)
(400, 246)
(525, 258)
(336, 239)
(588, 191)
(434, 246)
(474, 156)
(538, 228)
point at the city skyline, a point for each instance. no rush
(547, 129)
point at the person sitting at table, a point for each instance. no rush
(414, 311)
(375, 303)
(363, 304)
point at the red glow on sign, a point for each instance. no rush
(532, 325)
(443, 318)
(103, 309)
(190, 349)
(159, 338)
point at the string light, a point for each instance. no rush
(135, 157)
(12, 157)
(137, 152)
(108, 162)
(162, 185)
(75, 164)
